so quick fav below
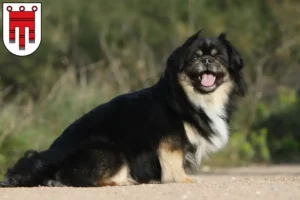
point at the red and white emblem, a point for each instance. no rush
(22, 27)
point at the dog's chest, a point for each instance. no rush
(214, 106)
(218, 138)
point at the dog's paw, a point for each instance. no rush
(188, 180)
(54, 183)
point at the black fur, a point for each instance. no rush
(126, 130)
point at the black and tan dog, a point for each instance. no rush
(149, 135)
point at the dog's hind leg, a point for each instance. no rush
(120, 178)
(95, 164)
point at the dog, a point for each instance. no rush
(155, 134)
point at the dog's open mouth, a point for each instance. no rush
(210, 79)
(206, 81)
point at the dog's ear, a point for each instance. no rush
(177, 58)
(235, 58)
(236, 63)
(194, 37)
(175, 61)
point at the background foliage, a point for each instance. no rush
(93, 50)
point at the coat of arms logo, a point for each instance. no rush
(22, 27)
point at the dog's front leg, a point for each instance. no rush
(171, 160)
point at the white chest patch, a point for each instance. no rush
(214, 107)
(218, 140)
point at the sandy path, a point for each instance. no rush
(281, 182)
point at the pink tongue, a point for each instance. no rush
(208, 80)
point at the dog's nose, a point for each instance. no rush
(206, 61)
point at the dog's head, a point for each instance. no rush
(207, 63)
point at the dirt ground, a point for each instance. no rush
(276, 182)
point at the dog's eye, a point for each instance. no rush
(194, 57)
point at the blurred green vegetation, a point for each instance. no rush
(93, 50)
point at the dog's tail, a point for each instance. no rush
(33, 169)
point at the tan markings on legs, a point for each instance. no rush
(171, 161)
(107, 183)
(122, 177)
